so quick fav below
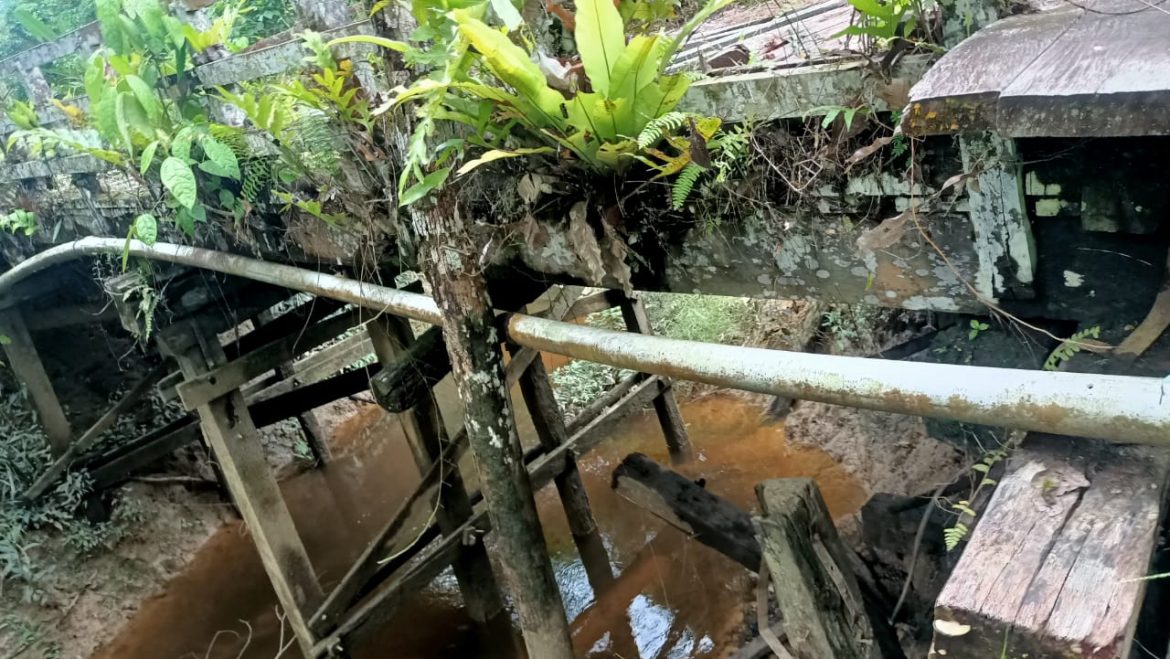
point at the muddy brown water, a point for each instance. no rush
(673, 598)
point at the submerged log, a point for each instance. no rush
(1054, 567)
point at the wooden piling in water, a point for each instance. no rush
(426, 434)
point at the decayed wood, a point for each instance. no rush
(328, 361)
(999, 219)
(1152, 326)
(817, 592)
(1054, 566)
(402, 384)
(591, 304)
(229, 431)
(91, 435)
(548, 420)
(711, 520)
(428, 558)
(26, 365)
(235, 374)
(665, 405)
(427, 434)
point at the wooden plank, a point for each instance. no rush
(1054, 566)
(1107, 75)
(314, 435)
(294, 321)
(26, 365)
(82, 41)
(428, 558)
(591, 304)
(426, 433)
(818, 594)
(93, 433)
(711, 520)
(236, 445)
(999, 217)
(116, 467)
(205, 387)
(404, 383)
(961, 91)
(277, 59)
(665, 405)
(330, 360)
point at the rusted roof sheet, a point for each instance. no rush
(1094, 70)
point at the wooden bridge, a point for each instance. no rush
(1039, 200)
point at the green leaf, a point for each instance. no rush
(185, 222)
(690, 26)
(601, 39)
(507, 13)
(636, 67)
(181, 144)
(146, 98)
(32, 24)
(122, 123)
(222, 156)
(397, 46)
(146, 228)
(179, 180)
(424, 187)
(511, 65)
(499, 154)
(147, 156)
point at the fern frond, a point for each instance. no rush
(1069, 347)
(955, 535)
(667, 123)
(684, 184)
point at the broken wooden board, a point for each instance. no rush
(1054, 566)
(1102, 71)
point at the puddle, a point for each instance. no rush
(673, 598)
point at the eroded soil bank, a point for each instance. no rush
(674, 597)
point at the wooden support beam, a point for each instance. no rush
(403, 383)
(230, 376)
(818, 594)
(429, 558)
(312, 431)
(230, 432)
(294, 321)
(549, 423)
(426, 433)
(90, 436)
(322, 364)
(712, 520)
(665, 405)
(1055, 565)
(591, 304)
(25, 362)
(115, 467)
(562, 298)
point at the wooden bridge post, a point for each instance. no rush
(549, 422)
(665, 405)
(25, 362)
(427, 436)
(235, 443)
(450, 254)
(314, 434)
(818, 594)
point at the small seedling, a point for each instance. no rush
(976, 328)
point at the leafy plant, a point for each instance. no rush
(19, 221)
(954, 535)
(976, 328)
(884, 20)
(1082, 340)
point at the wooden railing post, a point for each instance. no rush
(665, 405)
(25, 362)
(426, 434)
(235, 443)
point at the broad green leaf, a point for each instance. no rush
(146, 228)
(181, 144)
(223, 157)
(179, 180)
(499, 154)
(147, 156)
(637, 66)
(507, 13)
(600, 37)
(424, 187)
(95, 78)
(32, 24)
(146, 98)
(123, 124)
(390, 44)
(185, 221)
(511, 65)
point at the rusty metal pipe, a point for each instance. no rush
(1118, 408)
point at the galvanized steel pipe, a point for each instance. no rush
(1118, 408)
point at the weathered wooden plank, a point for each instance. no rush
(118, 465)
(665, 404)
(315, 436)
(294, 321)
(999, 218)
(26, 365)
(229, 431)
(818, 595)
(799, 91)
(1107, 75)
(961, 91)
(330, 360)
(93, 433)
(426, 434)
(82, 41)
(278, 59)
(591, 304)
(1054, 566)
(680, 502)
(402, 384)
(199, 389)
(310, 396)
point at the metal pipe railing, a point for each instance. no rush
(1118, 408)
